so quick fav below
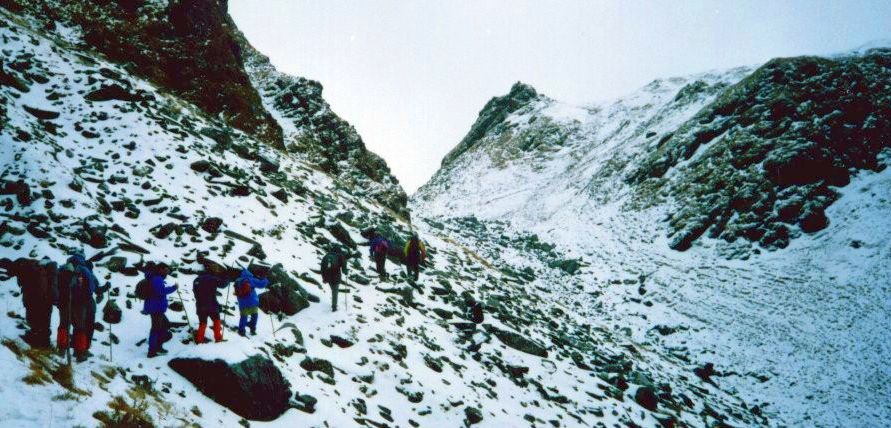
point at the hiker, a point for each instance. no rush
(333, 264)
(38, 280)
(378, 247)
(248, 302)
(77, 305)
(415, 253)
(154, 292)
(206, 305)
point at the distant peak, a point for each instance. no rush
(493, 113)
(522, 90)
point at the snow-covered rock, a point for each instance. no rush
(771, 180)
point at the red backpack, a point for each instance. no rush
(243, 288)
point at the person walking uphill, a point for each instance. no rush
(415, 252)
(248, 302)
(39, 283)
(154, 291)
(333, 264)
(378, 247)
(77, 305)
(206, 305)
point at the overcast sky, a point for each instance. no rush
(411, 76)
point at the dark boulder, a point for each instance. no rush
(10, 79)
(518, 341)
(113, 92)
(646, 397)
(473, 415)
(317, 365)
(20, 189)
(41, 114)
(200, 166)
(705, 372)
(342, 235)
(268, 163)
(254, 388)
(212, 224)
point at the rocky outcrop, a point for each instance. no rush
(315, 131)
(494, 112)
(766, 156)
(187, 47)
(254, 388)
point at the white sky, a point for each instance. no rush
(411, 76)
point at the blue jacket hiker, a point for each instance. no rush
(248, 302)
(155, 305)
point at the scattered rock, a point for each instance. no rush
(518, 341)
(317, 364)
(212, 224)
(473, 415)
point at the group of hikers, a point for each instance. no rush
(74, 290)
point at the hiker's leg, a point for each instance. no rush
(253, 322)
(40, 326)
(202, 326)
(153, 342)
(217, 328)
(90, 322)
(334, 290)
(62, 332)
(242, 323)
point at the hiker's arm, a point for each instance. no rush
(171, 289)
(260, 283)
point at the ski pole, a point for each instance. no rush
(182, 302)
(226, 313)
(272, 323)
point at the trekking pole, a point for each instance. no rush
(110, 342)
(181, 301)
(272, 323)
(226, 313)
(67, 327)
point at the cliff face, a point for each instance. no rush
(312, 130)
(186, 47)
(193, 50)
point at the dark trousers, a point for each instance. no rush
(335, 288)
(413, 270)
(380, 262)
(38, 317)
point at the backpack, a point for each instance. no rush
(242, 288)
(144, 289)
(382, 246)
(329, 266)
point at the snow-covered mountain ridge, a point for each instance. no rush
(734, 217)
(96, 156)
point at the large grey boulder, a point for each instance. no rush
(254, 388)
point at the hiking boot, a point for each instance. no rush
(240, 333)
(253, 332)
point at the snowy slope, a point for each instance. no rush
(140, 168)
(550, 188)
